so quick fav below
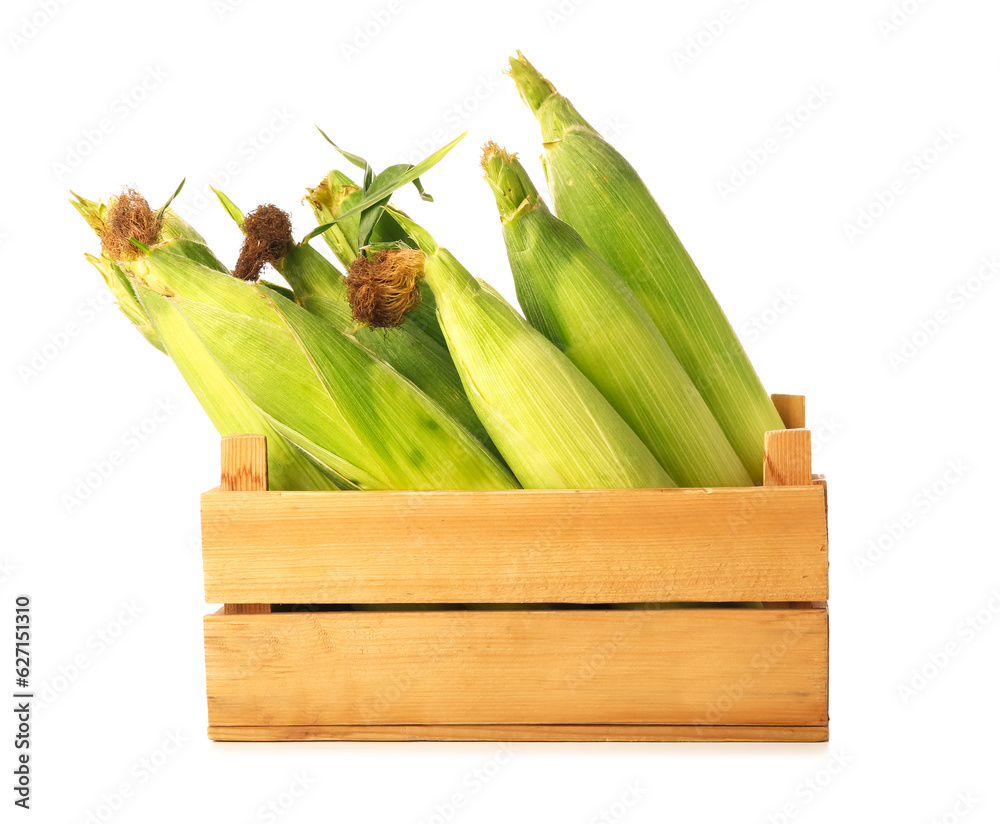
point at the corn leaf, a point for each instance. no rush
(381, 189)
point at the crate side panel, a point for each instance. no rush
(584, 546)
(698, 666)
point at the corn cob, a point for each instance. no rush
(340, 404)
(319, 288)
(331, 398)
(228, 409)
(599, 194)
(552, 426)
(336, 195)
(362, 220)
(581, 304)
(226, 406)
(412, 352)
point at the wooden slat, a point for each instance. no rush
(698, 666)
(582, 546)
(787, 458)
(246, 609)
(791, 409)
(244, 463)
(244, 469)
(522, 732)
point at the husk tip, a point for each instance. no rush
(491, 149)
(533, 87)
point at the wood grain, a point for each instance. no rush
(244, 469)
(546, 674)
(244, 463)
(522, 732)
(578, 546)
(246, 609)
(791, 409)
(697, 666)
(787, 458)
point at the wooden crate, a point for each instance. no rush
(555, 668)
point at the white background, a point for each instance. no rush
(885, 428)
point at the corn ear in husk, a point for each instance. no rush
(597, 192)
(550, 423)
(338, 195)
(573, 297)
(348, 410)
(320, 289)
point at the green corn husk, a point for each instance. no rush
(124, 295)
(230, 412)
(338, 194)
(172, 225)
(334, 400)
(552, 426)
(599, 194)
(95, 214)
(320, 288)
(227, 407)
(263, 341)
(574, 298)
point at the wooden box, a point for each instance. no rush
(566, 661)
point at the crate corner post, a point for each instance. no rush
(244, 469)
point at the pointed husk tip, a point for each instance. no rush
(509, 181)
(531, 85)
(493, 153)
